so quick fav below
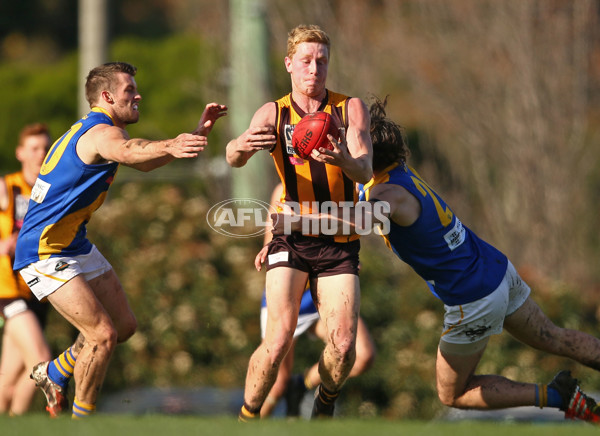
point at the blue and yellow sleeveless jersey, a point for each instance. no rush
(63, 198)
(458, 266)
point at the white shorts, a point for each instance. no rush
(46, 276)
(471, 323)
(304, 322)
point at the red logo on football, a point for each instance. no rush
(311, 133)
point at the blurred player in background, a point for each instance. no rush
(331, 264)
(293, 387)
(23, 316)
(480, 288)
(53, 254)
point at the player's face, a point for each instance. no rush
(127, 99)
(308, 68)
(32, 152)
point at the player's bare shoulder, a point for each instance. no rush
(405, 208)
(93, 147)
(382, 191)
(265, 115)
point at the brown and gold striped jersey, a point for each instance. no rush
(308, 182)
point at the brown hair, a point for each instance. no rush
(306, 33)
(388, 138)
(32, 130)
(101, 78)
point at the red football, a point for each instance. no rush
(311, 132)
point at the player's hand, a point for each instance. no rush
(257, 138)
(339, 156)
(261, 257)
(212, 112)
(187, 145)
(359, 169)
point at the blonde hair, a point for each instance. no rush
(306, 33)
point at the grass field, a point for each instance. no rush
(164, 425)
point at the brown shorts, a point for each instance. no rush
(317, 256)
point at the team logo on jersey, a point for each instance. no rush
(288, 131)
(61, 265)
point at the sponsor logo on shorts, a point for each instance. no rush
(33, 281)
(61, 265)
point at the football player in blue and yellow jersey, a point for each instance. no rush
(481, 290)
(53, 254)
(331, 264)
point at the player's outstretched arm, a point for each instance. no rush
(105, 143)
(113, 144)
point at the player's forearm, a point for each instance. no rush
(141, 152)
(235, 157)
(152, 164)
(359, 170)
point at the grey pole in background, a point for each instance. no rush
(249, 89)
(92, 43)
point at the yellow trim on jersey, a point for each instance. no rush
(383, 177)
(99, 109)
(59, 235)
(57, 150)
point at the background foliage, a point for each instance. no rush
(500, 100)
